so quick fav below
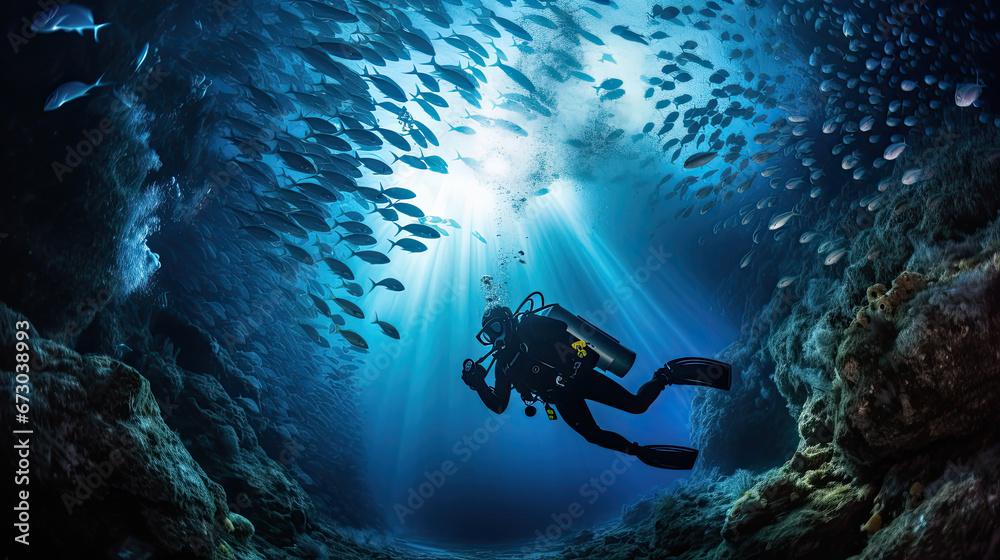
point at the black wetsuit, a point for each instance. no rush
(540, 358)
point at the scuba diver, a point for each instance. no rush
(550, 355)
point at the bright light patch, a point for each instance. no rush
(557, 204)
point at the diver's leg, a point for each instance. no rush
(599, 388)
(576, 413)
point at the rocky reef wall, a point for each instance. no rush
(887, 370)
(162, 463)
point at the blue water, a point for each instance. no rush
(419, 412)
(587, 244)
(578, 205)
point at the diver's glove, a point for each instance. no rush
(660, 376)
(473, 374)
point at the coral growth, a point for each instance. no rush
(885, 304)
(895, 401)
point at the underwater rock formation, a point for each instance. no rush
(100, 211)
(894, 399)
(912, 406)
(194, 383)
(108, 473)
(208, 430)
(759, 435)
(120, 468)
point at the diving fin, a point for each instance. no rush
(668, 456)
(702, 372)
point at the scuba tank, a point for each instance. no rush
(614, 357)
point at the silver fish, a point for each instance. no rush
(66, 17)
(779, 221)
(894, 150)
(68, 92)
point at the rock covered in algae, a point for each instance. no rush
(884, 303)
(106, 470)
(898, 456)
(936, 358)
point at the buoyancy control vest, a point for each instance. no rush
(550, 347)
(546, 357)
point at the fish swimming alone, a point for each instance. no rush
(390, 284)
(387, 329)
(68, 92)
(66, 17)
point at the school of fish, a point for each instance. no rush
(316, 105)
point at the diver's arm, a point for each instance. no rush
(495, 398)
